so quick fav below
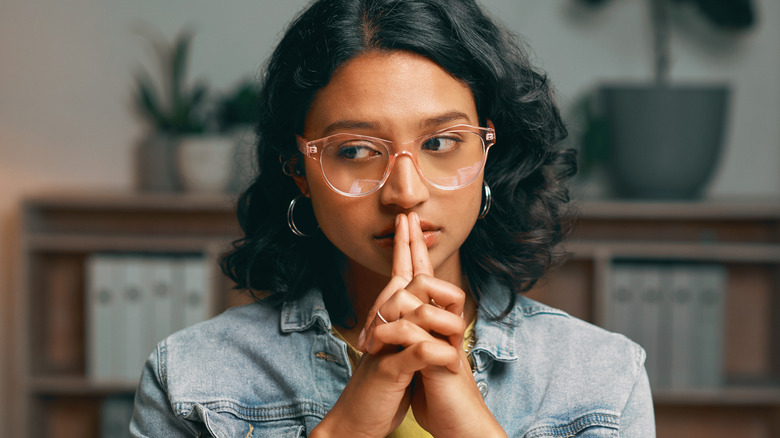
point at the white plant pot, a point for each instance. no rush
(205, 163)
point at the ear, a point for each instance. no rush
(300, 180)
(490, 124)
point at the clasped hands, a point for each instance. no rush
(413, 355)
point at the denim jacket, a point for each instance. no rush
(262, 371)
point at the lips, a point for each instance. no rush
(430, 234)
(431, 237)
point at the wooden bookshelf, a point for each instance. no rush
(743, 236)
(60, 231)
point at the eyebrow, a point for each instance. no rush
(348, 124)
(435, 121)
(441, 119)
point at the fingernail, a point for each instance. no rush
(397, 219)
(361, 338)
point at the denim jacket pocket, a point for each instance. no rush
(221, 424)
(590, 425)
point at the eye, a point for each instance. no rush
(358, 151)
(442, 144)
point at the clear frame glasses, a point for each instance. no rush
(357, 165)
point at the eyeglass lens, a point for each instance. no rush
(356, 165)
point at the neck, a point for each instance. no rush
(363, 287)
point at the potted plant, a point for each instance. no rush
(239, 107)
(237, 112)
(182, 150)
(665, 139)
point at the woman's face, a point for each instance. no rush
(398, 96)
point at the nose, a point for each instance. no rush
(404, 187)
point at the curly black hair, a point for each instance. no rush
(526, 171)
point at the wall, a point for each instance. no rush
(66, 69)
(582, 47)
(66, 119)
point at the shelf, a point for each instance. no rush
(752, 209)
(735, 209)
(81, 243)
(78, 386)
(721, 252)
(735, 396)
(103, 200)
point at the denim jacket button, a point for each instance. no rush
(483, 388)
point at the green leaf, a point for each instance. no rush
(198, 95)
(175, 107)
(146, 99)
(179, 64)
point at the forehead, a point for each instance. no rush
(389, 91)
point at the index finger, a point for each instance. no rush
(402, 256)
(421, 262)
(402, 273)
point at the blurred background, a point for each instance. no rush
(70, 119)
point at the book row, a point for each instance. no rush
(135, 301)
(676, 312)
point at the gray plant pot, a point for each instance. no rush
(665, 140)
(156, 164)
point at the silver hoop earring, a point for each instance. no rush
(286, 168)
(488, 200)
(291, 222)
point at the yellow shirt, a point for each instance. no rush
(409, 427)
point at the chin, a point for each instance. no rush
(374, 265)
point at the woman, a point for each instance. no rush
(387, 250)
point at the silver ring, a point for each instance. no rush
(379, 315)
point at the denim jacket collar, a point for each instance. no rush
(495, 338)
(304, 313)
